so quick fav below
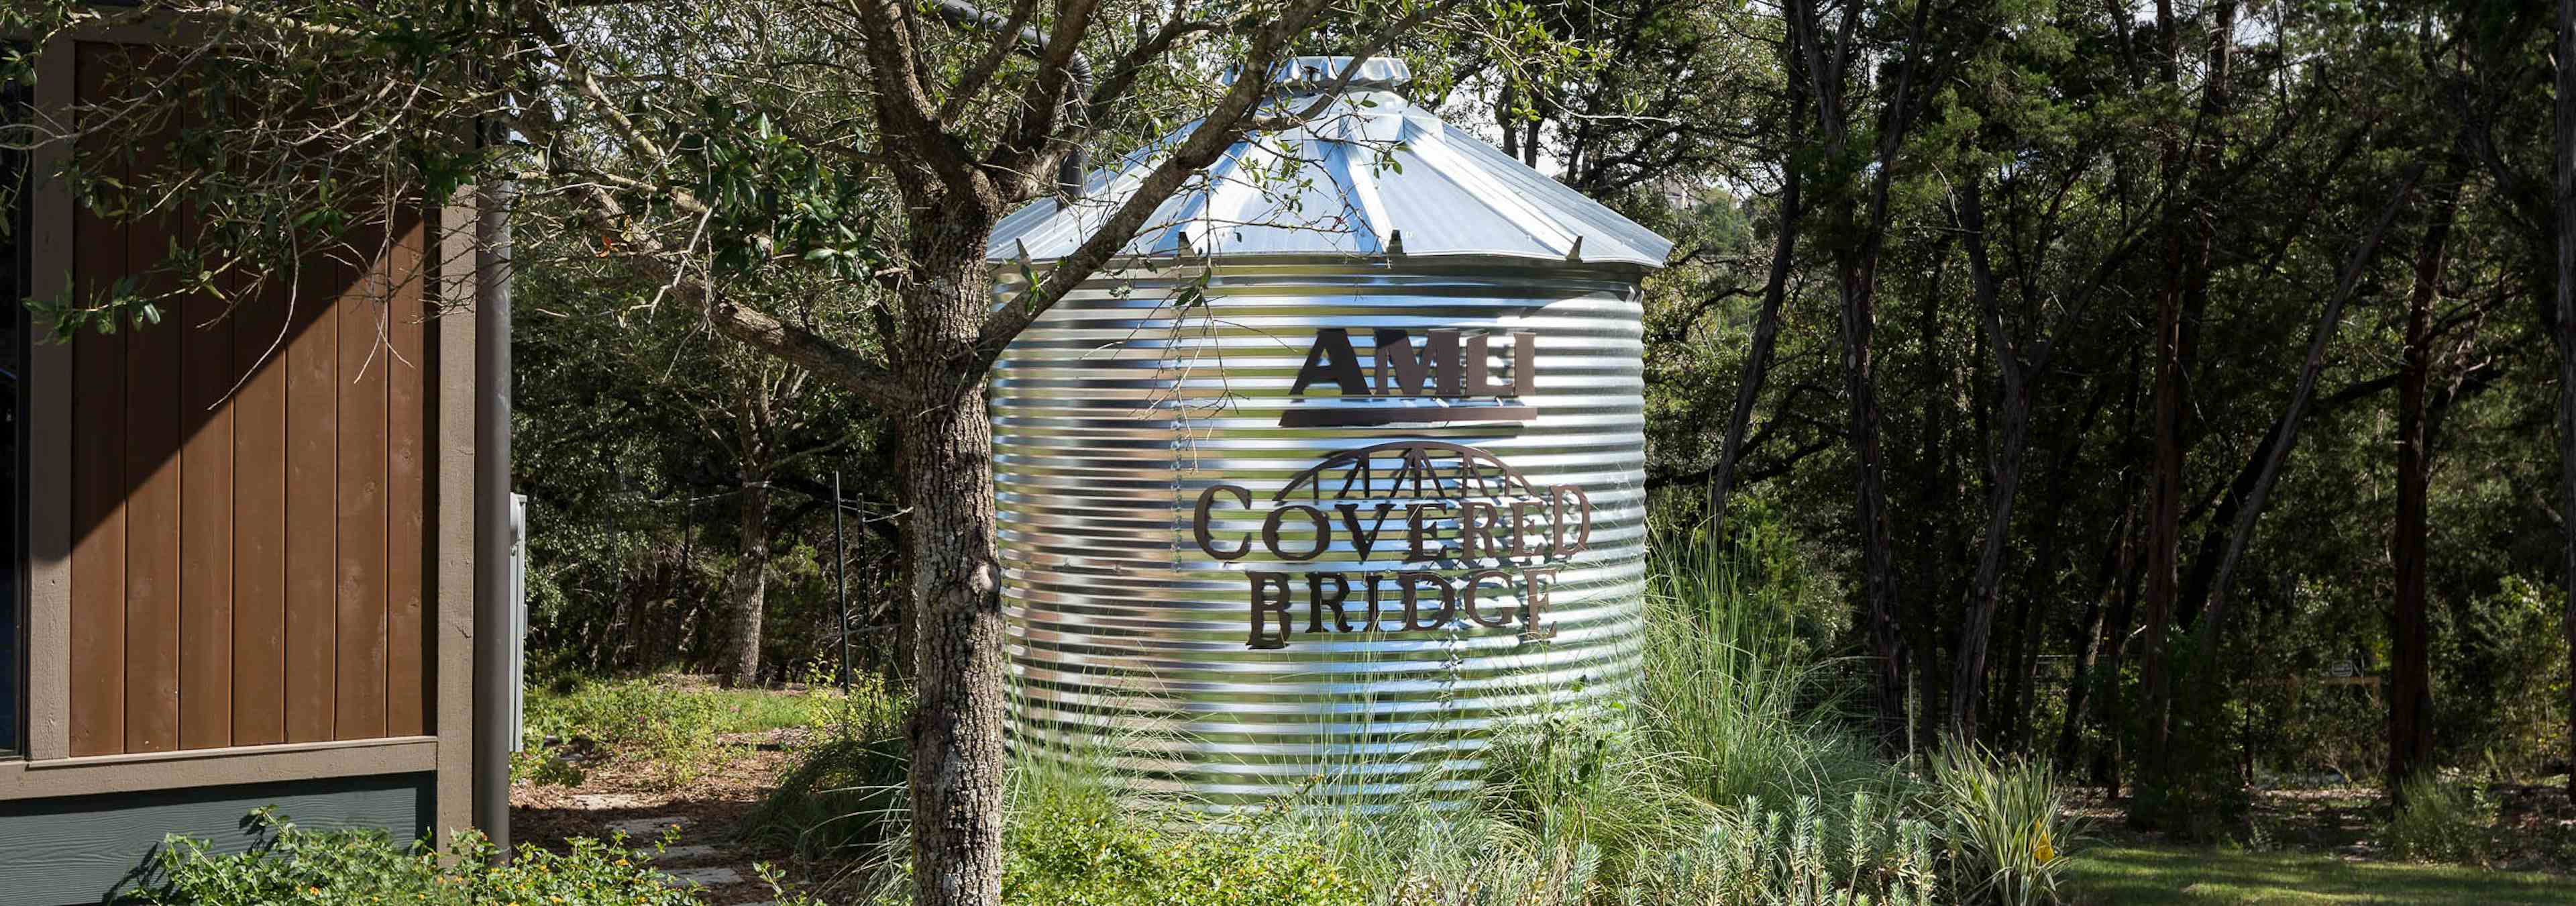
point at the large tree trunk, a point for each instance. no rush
(2164, 511)
(2565, 178)
(2410, 699)
(2164, 506)
(746, 590)
(957, 753)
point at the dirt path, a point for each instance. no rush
(706, 851)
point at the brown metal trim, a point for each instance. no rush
(1375, 416)
(216, 767)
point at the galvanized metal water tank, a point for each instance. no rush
(1340, 468)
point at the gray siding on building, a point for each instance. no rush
(89, 849)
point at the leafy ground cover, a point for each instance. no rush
(2154, 874)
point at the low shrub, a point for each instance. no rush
(2438, 821)
(674, 730)
(291, 865)
(846, 789)
(1080, 848)
(2006, 824)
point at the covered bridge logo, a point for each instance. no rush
(1477, 541)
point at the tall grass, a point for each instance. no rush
(1732, 775)
(1734, 687)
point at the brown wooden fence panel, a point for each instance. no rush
(312, 477)
(206, 518)
(249, 491)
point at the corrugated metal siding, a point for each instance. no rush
(1115, 411)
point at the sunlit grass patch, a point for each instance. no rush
(2119, 876)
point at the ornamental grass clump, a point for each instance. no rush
(2440, 821)
(1756, 856)
(2005, 821)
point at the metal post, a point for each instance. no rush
(841, 578)
(492, 530)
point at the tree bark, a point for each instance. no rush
(1857, 245)
(746, 590)
(1766, 327)
(957, 727)
(1967, 682)
(2565, 178)
(2164, 499)
(2410, 699)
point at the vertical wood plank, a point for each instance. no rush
(206, 515)
(152, 505)
(312, 477)
(359, 586)
(259, 517)
(97, 670)
(406, 485)
(152, 395)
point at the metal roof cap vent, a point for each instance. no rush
(1309, 74)
(1342, 184)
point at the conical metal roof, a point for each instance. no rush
(1372, 175)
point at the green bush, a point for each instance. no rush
(291, 865)
(846, 790)
(674, 730)
(2005, 821)
(1580, 780)
(2440, 822)
(1077, 848)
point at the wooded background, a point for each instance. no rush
(2171, 388)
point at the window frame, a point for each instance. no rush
(16, 105)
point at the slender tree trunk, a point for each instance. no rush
(2565, 179)
(957, 750)
(746, 590)
(1870, 506)
(1766, 327)
(1967, 683)
(2285, 430)
(2107, 768)
(1936, 484)
(2087, 641)
(2410, 699)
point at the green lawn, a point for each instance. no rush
(2123, 875)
